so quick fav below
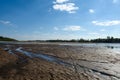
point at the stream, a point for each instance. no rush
(43, 56)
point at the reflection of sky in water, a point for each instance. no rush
(43, 56)
(115, 46)
(116, 50)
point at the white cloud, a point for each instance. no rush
(69, 7)
(91, 11)
(5, 22)
(8, 23)
(60, 1)
(72, 28)
(65, 5)
(56, 28)
(106, 23)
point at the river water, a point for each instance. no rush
(113, 46)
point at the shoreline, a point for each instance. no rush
(89, 61)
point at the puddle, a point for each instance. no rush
(8, 50)
(25, 53)
(43, 56)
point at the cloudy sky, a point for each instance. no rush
(59, 19)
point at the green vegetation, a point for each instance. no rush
(107, 40)
(99, 40)
(6, 39)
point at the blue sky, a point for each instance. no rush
(59, 19)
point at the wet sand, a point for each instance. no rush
(58, 62)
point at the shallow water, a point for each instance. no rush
(42, 56)
(114, 46)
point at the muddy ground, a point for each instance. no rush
(68, 62)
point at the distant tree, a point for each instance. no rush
(6, 39)
(73, 40)
(83, 40)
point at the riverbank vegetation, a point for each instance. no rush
(6, 39)
(108, 39)
(99, 40)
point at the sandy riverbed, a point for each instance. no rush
(84, 63)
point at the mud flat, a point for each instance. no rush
(58, 62)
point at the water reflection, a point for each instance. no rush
(99, 45)
(43, 56)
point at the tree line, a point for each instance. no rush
(6, 39)
(99, 40)
(108, 39)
